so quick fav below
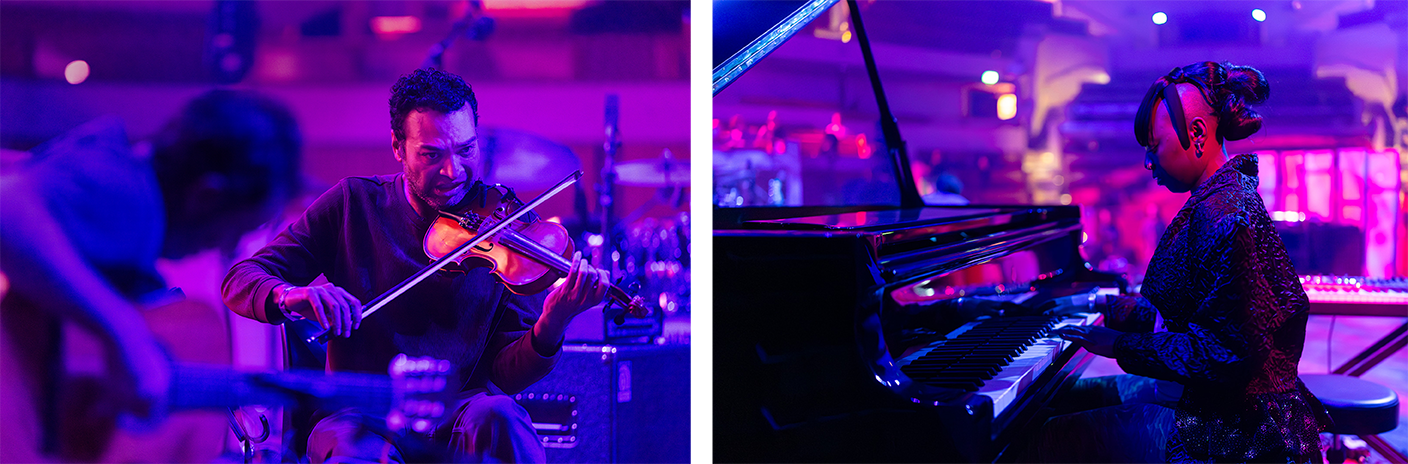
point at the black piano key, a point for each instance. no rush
(954, 381)
(987, 371)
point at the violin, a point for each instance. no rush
(528, 256)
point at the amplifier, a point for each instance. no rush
(614, 403)
(591, 327)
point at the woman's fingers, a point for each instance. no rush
(1072, 333)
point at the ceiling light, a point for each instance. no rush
(990, 77)
(76, 72)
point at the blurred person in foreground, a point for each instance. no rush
(85, 219)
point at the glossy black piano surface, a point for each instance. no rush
(825, 326)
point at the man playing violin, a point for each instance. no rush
(365, 236)
(85, 219)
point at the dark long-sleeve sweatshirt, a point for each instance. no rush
(365, 236)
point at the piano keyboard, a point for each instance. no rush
(998, 358)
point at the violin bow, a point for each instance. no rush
(382, 300)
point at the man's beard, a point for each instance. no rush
(419, 191)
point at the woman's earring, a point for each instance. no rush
(1198, 144)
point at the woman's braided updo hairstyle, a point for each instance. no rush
(1227, 89)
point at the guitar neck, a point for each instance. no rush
(196, 386)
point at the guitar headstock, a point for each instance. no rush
(418, 387)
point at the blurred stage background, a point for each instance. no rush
(547, 75)
(1032, 102)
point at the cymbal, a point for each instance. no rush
(523, 160)
(653, 172)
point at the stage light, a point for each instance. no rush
(1160, 18)
(391, 25)
(1006, 106)
(1258, 15)
(989, 77)
(565, 5)
(76, 72)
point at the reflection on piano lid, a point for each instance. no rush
(1017, 273)
(1356, 296)
(738, 34)
(883, 218)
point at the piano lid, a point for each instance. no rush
(883, 219)
(739, 33)
(890, 225)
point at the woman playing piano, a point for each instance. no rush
(1222, 314)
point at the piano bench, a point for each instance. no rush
(1358, 406)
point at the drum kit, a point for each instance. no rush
(654, 251)
(647, 252)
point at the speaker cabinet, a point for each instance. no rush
(614, 403)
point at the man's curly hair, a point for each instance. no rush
(428, 89)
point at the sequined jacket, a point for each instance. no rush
(1235, 313)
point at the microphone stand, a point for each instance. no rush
(473, 25)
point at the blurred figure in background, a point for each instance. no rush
(948, 190)
(826, 188)
(85, 219)
(937, 184)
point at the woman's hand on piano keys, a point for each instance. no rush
(1095, 339)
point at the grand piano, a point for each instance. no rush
(894, 332)
(844, 340)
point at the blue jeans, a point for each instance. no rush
(486, 428)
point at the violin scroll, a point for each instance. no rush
(617, 311)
